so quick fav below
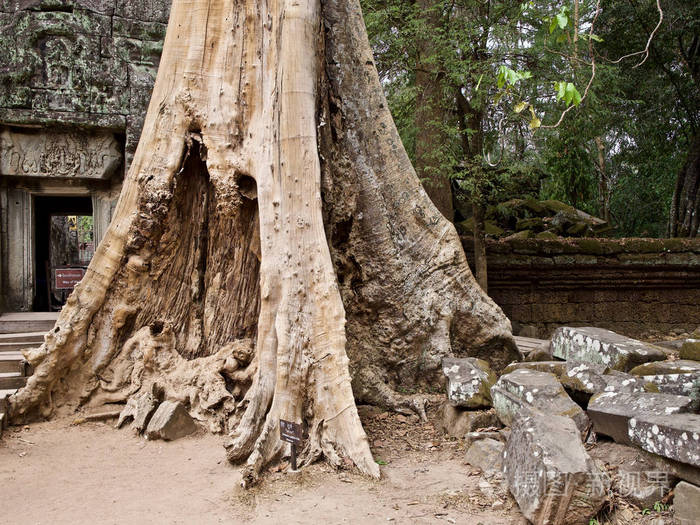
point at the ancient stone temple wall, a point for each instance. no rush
(87, 63)
(632, 286)
(75, 81)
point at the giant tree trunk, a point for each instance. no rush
(270, 227)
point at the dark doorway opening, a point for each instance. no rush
(64, 239)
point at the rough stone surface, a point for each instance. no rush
(686, 503)
(486, 454)
(676, 437)
(611, 412)
(550, 474)
(682, 366)
(469, 382)
(171, 421)
(527, 390)
(602, 347)
(638, 477)
(457, 422)
(690, 349)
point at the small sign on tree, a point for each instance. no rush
(292, 433)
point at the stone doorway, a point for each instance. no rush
(63, 243)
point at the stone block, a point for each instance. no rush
(681, 366)
(486, 454)
(691, 349)
(676, 437)
(550, 474)
(140, 409)
(611, 412)
(553, 367)
(527, 390)
(602, 347)
(469, 382)
(458, 422)
(171, 421)
(686, 503)
(592, 379)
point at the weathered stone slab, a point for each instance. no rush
(611, 412)
(486, 454)
(681, 366)
(553, 367)
(602, 347)
(527, 390)
(592, 379)
(469, 382)
(676, 437)
(550, 474)
(678, 384)
(458, 422)
(686, 503)
(171, 421)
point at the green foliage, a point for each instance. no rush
(507, 70)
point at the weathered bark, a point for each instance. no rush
(270, 200)
(685, 206)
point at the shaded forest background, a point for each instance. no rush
(477, 89)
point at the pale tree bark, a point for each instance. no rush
(272, 252)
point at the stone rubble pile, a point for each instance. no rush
(600, 414)
(157, 418)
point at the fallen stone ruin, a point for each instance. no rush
(589, 419)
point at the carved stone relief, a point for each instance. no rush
(95, 155)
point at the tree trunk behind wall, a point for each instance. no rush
(430, 116)
(271, 245)
(685, 206)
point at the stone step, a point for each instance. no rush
(9, 380)
(14, 322)
(23, 337)
(17, 346)
(12, 362)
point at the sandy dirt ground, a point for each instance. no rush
(56, 473)
(59, 473)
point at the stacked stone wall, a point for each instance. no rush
(633, 286)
